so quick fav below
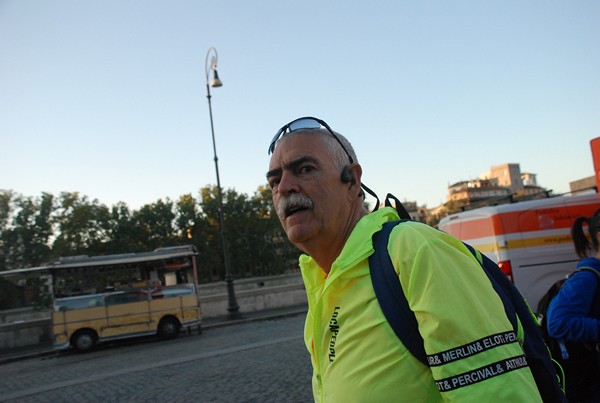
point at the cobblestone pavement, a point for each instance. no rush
(262, 361)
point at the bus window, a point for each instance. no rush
(126, 298)
(74, 303)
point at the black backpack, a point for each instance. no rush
(580, 361)
(402, 320)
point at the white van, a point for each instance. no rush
(530, 241)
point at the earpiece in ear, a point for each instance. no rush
(346, 177)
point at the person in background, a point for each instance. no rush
(573, 316)
(318, 196)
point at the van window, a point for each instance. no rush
(126, 298)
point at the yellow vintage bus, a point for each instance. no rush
(99, 299)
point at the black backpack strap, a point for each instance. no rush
(398, 206)
(369, 191)
(390, 296)
(501, 284)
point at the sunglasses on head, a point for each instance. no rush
(306, 123)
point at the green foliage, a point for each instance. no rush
(25, 230)
(256, 242)
(5, 213)
(156, 223)
(41, 296)
(82, 226)
(124, 234)
(273, 248)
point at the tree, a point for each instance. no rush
(26, 230)
(257, 244)
(273, 251)
(207, 237)
(83, 227)
(243, 233)
(5, 213)
(155, 222)
(123, 233)
(42, 230)
(34, 231)
(187, 215)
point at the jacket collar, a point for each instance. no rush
(357, 248)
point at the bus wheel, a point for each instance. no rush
(84, 340)
(168, 328)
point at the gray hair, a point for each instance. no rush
(338, 155)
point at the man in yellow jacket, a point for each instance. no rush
(356, 356)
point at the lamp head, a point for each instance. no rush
(216, 81)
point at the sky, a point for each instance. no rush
(108, 98)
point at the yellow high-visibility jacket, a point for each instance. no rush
(357, 357)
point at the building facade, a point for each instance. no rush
(501, 184)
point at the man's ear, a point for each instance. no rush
(355, 175)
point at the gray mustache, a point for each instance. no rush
(294, 200)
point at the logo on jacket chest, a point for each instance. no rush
(334, 329)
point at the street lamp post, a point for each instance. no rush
(232, 306)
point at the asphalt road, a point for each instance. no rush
(263, 361)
